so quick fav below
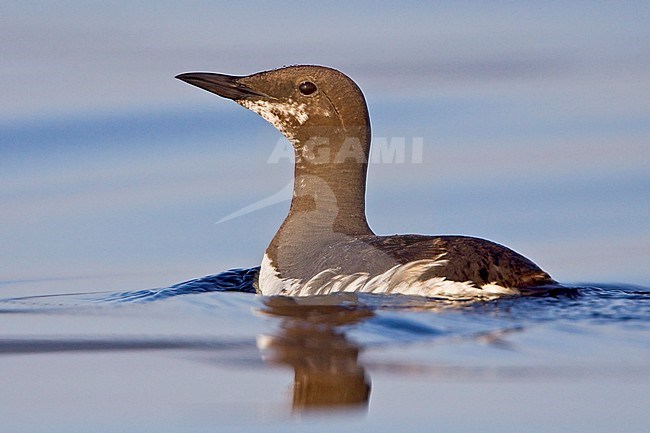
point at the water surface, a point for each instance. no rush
(535, 125)
(210, 355)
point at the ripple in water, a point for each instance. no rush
(591, 302)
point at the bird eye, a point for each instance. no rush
(307, 88)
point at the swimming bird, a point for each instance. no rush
(325, 244)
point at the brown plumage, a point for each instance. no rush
(324, 115)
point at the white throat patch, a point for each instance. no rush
(277, 113)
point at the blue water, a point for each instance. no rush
(98, 211)
(214, 356)
(535, 126)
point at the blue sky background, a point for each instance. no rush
(534, 115)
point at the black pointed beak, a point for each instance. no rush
(227, 86)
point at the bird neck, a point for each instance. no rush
(330, 183)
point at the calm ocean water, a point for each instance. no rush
(117, 182)
(98, 211)
(208, 355)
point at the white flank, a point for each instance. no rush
(270, 283)
(400, 279)
(278, 113)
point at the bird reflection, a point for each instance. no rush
(311, 339)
